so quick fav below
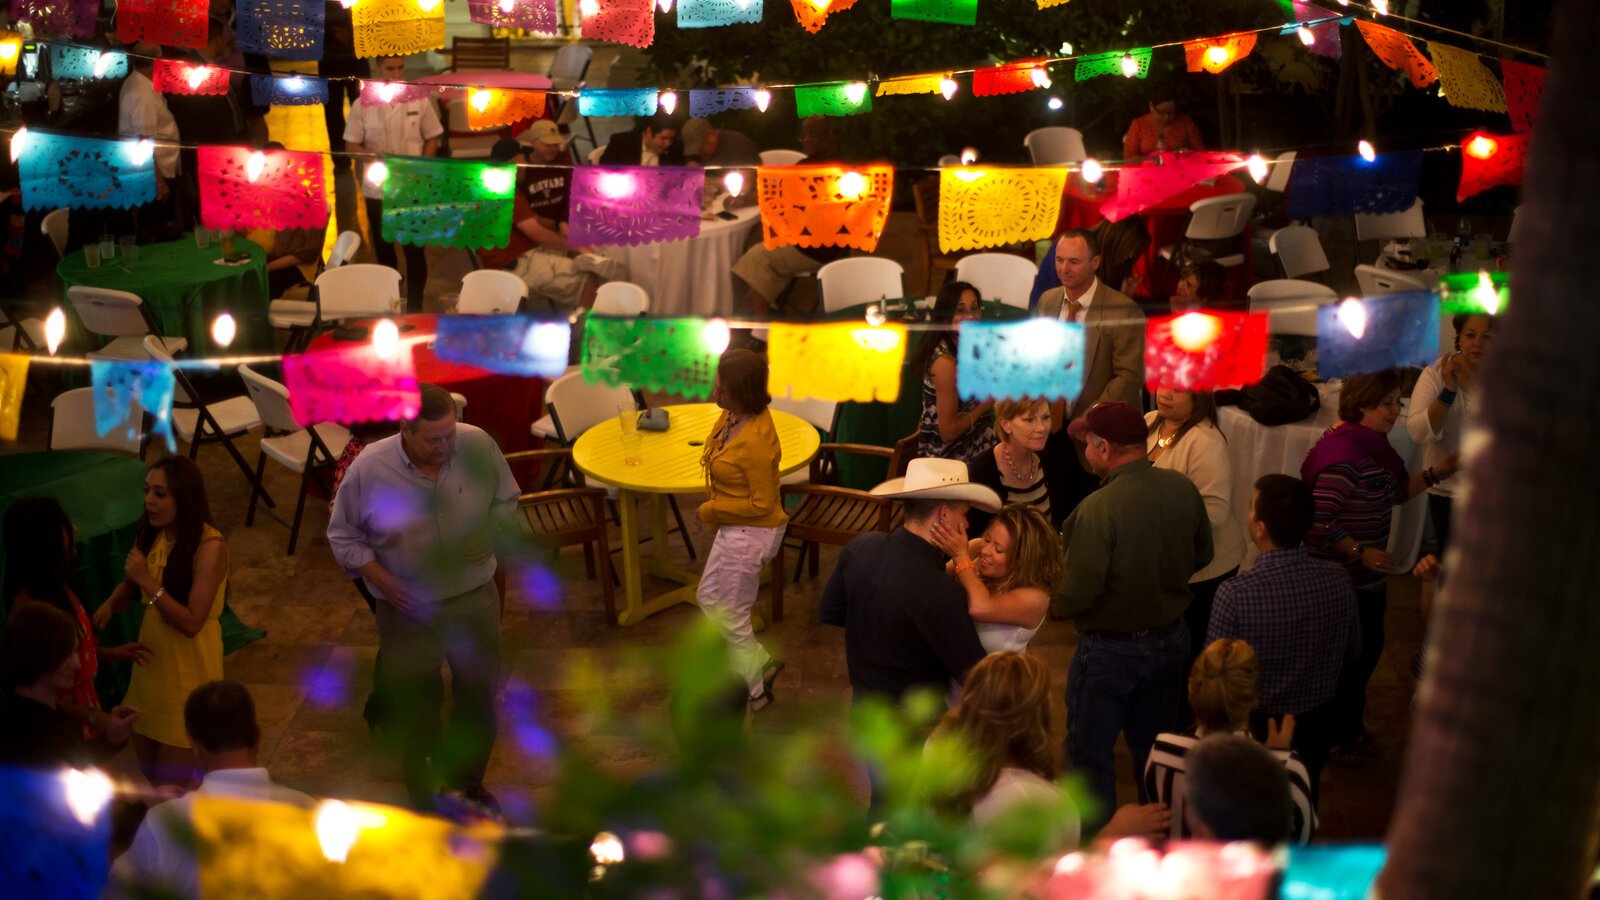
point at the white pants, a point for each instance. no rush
(728, 589)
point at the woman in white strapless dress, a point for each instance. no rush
(1008, 574)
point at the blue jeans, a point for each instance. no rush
(1122, 686)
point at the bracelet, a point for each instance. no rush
(964, 566)
(160, 592)
(1447, 396)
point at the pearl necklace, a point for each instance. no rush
(1032, 472)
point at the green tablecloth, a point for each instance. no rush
(185, 289)
(103, 494)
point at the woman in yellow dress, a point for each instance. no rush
(178, 569)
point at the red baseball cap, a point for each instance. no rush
(1116, 421)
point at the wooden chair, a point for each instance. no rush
(562, 517)
(493, 54)
(926, 195)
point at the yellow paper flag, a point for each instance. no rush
(995, 207)
(914, 84)
(1046, 4)
(13, 377)
(1465, 81)
(836, 361)
(397, 27)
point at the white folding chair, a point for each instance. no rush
(1292, 304)
(344, 249)
(781, 157)
(1056, 145)
(54, 227)
(621, 298)
(823, 414)
(120, 316)
(198, 422)
(1006, 277)
(1298, 250)
(299, 317)
(461, 405)
(465, 143)
(300, 450)
(1410, 223)
(1278, 174)
(20, 335)
(859, 279)
(72, 425)
(596, 153)
(1218, 219)
(1376, 280)
(358, 290)
(490, 292)
(567, 72)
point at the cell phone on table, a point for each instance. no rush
(236, 257)
(726, 215)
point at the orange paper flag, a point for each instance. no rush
(1215, 54)
(824, 206)
(813, 14)
(1397, 52)
(488, 107)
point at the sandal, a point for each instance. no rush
(763, 700)
(769, 675)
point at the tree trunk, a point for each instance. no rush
(1502, 781)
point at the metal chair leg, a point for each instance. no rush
(683, 531)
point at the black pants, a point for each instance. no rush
(416, 271)
(1202, 594)
(376, 711)
(1313, 737)
(1439, 512)
(281, 280)
(1066, 478)
(333, 111)
(1351, 698)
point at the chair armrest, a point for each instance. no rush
(540, 498)
(546, 453)
(861, 449)
(831, 490)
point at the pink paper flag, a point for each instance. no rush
(1524, 85)
(382, 93)
(1327, 41)
(631, 22)
(351, 385)
(1166, 175)
(177, 77)
(63, 18)
(286, 191)
(634, 205)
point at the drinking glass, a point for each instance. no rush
(632, 440)
(227, 241)
(202, 237)
(130, 256)
(91, 255)
(108, 247)
(125, 244)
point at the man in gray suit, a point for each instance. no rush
(1113, 359)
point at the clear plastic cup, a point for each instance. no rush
(108, 247)
(202, 237)
(91, 255)
(130, 256)
(632, 449)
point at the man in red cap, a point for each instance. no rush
(1131, 548)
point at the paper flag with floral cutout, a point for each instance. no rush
(1216, 54)
(529, 15)
(913, 84)
(85, 173)
(813, 14)
(287, 191)
(10, 51)
(1524, 89)
(288, 90)
(1475, 292)
(844, 361)
(834, 98)
(1391, 331)
(396, 27)
(709, 103)
(715, 13)
(176, 77)
(1169, 174)
(617, 102)
(1332, 870)
(351, 384)
(953, 12)
(824, 206)
(669, 355)
(993, 207)
(383, 93)
(13, 381)
(1011, 78)
(284, 29)
(50, 852)
(631, 22)
(1326, 33)
(176, 23)
(502, 106)
(1398, 52)
(447, 202)
(1343, 185)
(1491, 160)
(1465, 81)
(87, 62)
(1205, 350)
(63, 18)
(1032, 358)
(124, 391)
(613, 205)
(1046, 4)
(513, 345)
(1111, 64)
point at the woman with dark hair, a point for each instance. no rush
(1161, 129)
(1357, 479)
(39, 664)
(1444, 404)
(1009, 574)
(741, 466)
(1201, 284)
(950, 428)
(178, 569)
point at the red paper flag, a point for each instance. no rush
(1524, 92)
(1011, 78)
(175, 77)
(1491, 160)
(1205, 350)
(276, 189)
(176, 23)
(631, 22)
(1164, 176)
(352, 384)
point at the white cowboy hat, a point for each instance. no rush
(928, 478)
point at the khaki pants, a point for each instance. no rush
(768, 272)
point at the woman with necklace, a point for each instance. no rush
(1008, 574)
(1014, 467)
(950, 427)
(1444, 404)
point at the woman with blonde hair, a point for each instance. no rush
(1014, 468)
(1224, 685)
(1008, 574)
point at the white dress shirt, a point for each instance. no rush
(1084, 303)
(142, 112)
(647, 157)
(402, 129)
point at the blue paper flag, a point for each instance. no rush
(124, 391)
(85, 173)
(510, 344)
(288, 90)
(1032, 358)
(709, 103)
(84, 62)
(285, 29)
(1342, 185)
(626, 102)
(1386, 332)
(49, 851)
(1332, 872)
(712, 13)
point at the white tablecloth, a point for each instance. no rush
(693, 277)
(1256, 450)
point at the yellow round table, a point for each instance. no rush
(669, 464)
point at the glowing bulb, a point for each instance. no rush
(1066, 48)
(668, 101)
(1381, 7)
(606, 848)
(224, 329)
(254, 165)
(876, 340)
(1130, 66)
(855, 92)
(547, 340)
(385, 339)
(507, 6)
(141, 151)
(1484, 293)
(1365, 149)
(666, 5)
(481, 98)
(1041, 78)
(616, 185)
(9, 50)
(294, 84)
(1353, 316)
(1217, 55)
(875, 316)
(716, 337)
(88, 792)
(1054, 103)
(197, 76)
(733, 183)
(18, 140)
(55, 328)
(347, 3)
(1092, 171)
(102, 64)
(498, 180)
(821, 4)
(589, 8)
(1195, 331)
(1306, 37)
(1481, 146)
(377, 173)
(852, 185)
(969, 155)
(947, 87)
(428, 5)
(970, 175)
(1257, 167)
(763, 97)
(387, 91)
(336, 830)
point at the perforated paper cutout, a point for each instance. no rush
(651, 354)
(1342, 185)
(288, 192)
(124, 391)
(1198, 55)
(1111, 64)
(1011, 78)
(1031, 358)
(176, 23)
(1400, 330)
(10, 51)
(842, 361)
(1046, 4)
(714, 13)
(351, 384)
(503, 108)
(383, 93)
(85, 173)
(1206, 350)
(614, 205)
(803, 205)
(1465, 81)
(631, 22)
(288, 90)
(915, 84)
(993, 207)
(285, 29)
(839, 98)
(1475, 292)
(531, 15)
(396, 27)
(82, 62)
(50, 851)
(62, 18)
(709, 103)
(813, 15)
(1328, 41)
(513, 345)
(1502, 167)
(617, 102)
(175, 77)
(1524, 89)
(447, 202)
(13, 383)
(1142, 186)
(952, 12)
(1398, 52)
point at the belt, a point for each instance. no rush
(1135, 635)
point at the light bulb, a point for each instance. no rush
(546, 340)
(140, 151)
(855, 92)
(1066, 48)
(1306, 37)
(18, 140)
(589, 8)
(763, 97)
(1041, 78)
(499, 179)
(1217, 55)
(428, 5)
(1195, 331)
(1381, 7)
(294, 84)
(733, 183)
(10, 49)
(88, 791)
(947, 87)
(507, 6)
(616, 185)
(1092, 171)
(1481, 146)
(254, 166)
(1352, 315)
(666, 5)
(668, 101)
(716, 337)
(197, 76)
(480, 98)
(1257, 167)
(1365, 149)
(347, 3)
(336, 829)
(1130, 66)
(385, 339)
(1054, 103)
(55, 329)
(1485, 293)
(970, 175)
(606, 848)
(102, 64)
(388, 90)
(852, 185)
(875, 315)
(224, 329)
(821, 4)
(377, 173)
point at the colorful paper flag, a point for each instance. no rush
(671, 355)
(1524, 89)
(447, 202)
(124, 391)
(397, 27)
(1029, 358)
(175, 23)
(10, 51)
(1465, 81)
(1136, 60)
(842, 361)
(50, 851)
(715, 13)
(63, 18)
(529, 15)
(609, 102)
(1046, 4)
(1342, 185)
(1216, 54)
(813, 14)
(351, 384)
(85, 173)
(708, 103)
(288, 90)
(87, 62)
(1398, 52)
(1205, 350)
(1489, 160)
(13, 382)
(1011, 78)
(284, 29)
(912, 84)
(824, 206)
(176, 77)
(502, 106)
(1333, 872)
(836, 98)
(286, 192)
(1390, 331)
(1328, 41)
(513, 345)
(953, 12)
(1473, 293)
(383, 93)
(631, 22)
(614, 205)
(994, 207)
(1169, 174)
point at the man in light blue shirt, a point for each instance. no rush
(417, 517)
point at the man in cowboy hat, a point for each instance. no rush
(1131, 548)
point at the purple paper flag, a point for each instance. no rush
(63, 18)
(1385, 332)
(532, 15)
(634, 204)
(711, 102)
(1328, 42)
(351, 385)
(382, 93)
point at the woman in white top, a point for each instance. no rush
(1444, 404)
(1008, 574)
(1184, 437)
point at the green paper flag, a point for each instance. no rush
(678, 356)
(834, 98)
(1475, 292)
(1138, 61)
(447, 202)
(954, 12)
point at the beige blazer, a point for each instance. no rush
(1113, 355)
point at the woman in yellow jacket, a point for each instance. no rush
(741, 463)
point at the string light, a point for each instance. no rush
(666, 5)
(480, 98)
(388, 90)
(1054, 103)
(852, 185)
(385, 339)
(294, 84)
(428, 5)
(589, 8)
(763, 97)
(377, 173)
(1353, 316)
(336, 830)
(947, 87)
(506, 6)
(55, 328)
(102, 63)
(18, 141)
(855, 92)
(1041, 78)
(1195, 331)
(10, 48)
(87, 793)
(716, 337)
(347, 4)
(224, 329)
(1381, 7)
(196, 76)
(1217, 54)
(733, 183)
(1092, 171)
(1367, 152)
(969, 155)
(254, 166)
(615, 185)
(876, 315)
(1481, 146)
(1257, 167)
(1485, 294)
(547, 339)
(1130, 66)
(606, 849)
(1306, 37)
(668, 99)
(140, 151)
(498, 179)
